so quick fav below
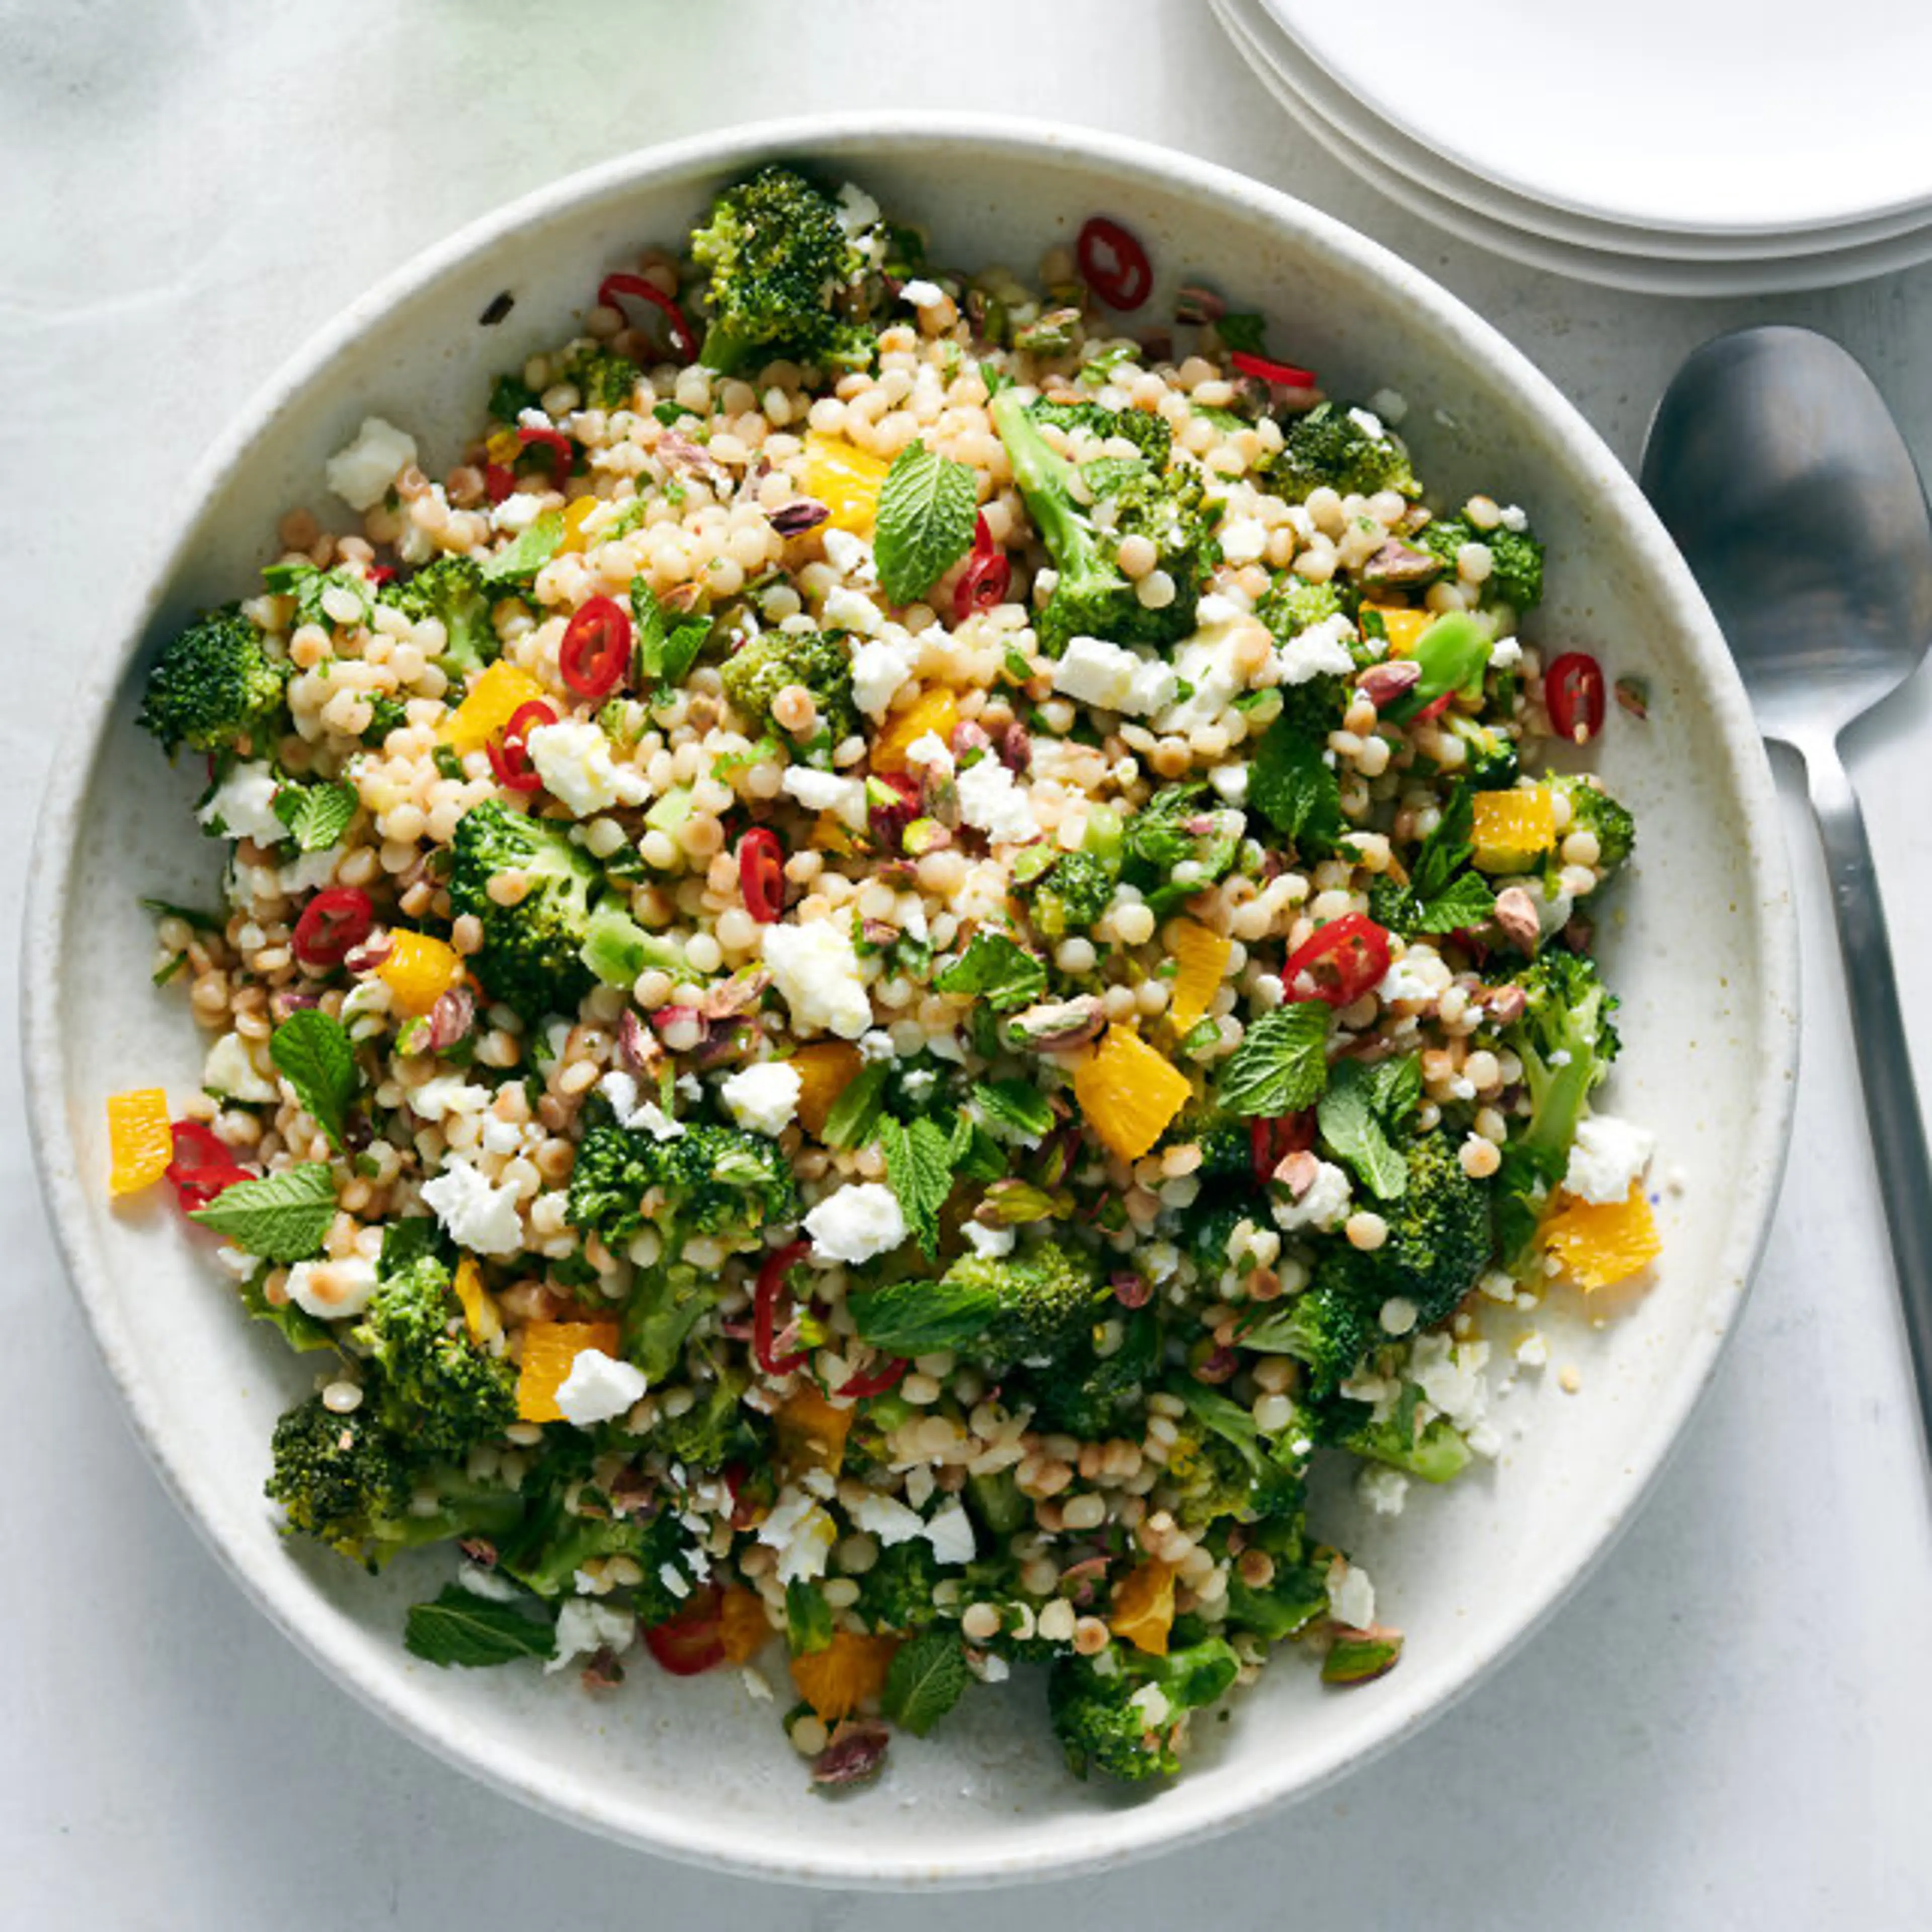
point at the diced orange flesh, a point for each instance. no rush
(1404, 627)
(1202, 957)
(479, 1310)
(504, 446)
(576, 513)
(936, 710)
(418, 971)
(139, 1143)
(1599, 1244)
(1143, 1607)
(1128, 1092)
(743, 1628)
(549, 1348)
(835, 1680)
(824, 1073)
(1511, 829)
(847, 480)
(494, 700)
(811, 1433)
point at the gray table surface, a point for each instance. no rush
(1731, 1723)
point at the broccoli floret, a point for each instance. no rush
(1226, 1143)
(1328, 1327)
(532, 957)
(1093, 597)
(1593, 810)
(1099, 1397)
(1152, 435)
(718, 1181)
(781, 259)
(1490, 762)
(716, 1429)
(1071, 894)
(1566, 1040)
(1295, 1593)
(1034, 1304)
(573, 1525)
(1332, 446)
(1181, 841)
(755, 674)
(1439, 1235)
(1516, 558)
(1104, 1724)
(438, 1391)
(1222, 1465)
(214, 688)
(1434, 1451)
(604, 378)
(452, 590)
(896, 1593)
(1292, 604)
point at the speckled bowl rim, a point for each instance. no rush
(1089, 1842)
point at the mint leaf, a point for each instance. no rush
(996, 970)
(312, 1053)
(1441, 896)
(1395, 1089)
(1281, 1065)
(919, 1316)
(1347, 1117)
(318, 814)
(1295, 789)
(308, 585)
(282, 1217)
(919, 1166)
(1017, 1105)
(928, 506)
(1468, 901)
(464, 1629)
(929, 1676)
(849, 1123)
(808, 1619)
(532, 551)
(664, 654)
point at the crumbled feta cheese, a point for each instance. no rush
(950, 1533)
(517, 512)
(990, 798)
(1322, 649)
(1533, 1352)
(880, 666)
(309, 873)
(815, 968)
(856, 1223)
(1407, 978)
(598, 1387)
(621, 1090)
(848, 610)
(584, 1626)
(1385, 1490)
(803, 1532)
(1325, 1204)
(990, 1242)
(1514, 517)
(875, 1046)
(930, 750)
(1208, 662)
(993, 1669)
(1368, 422)
(826, 791)
(1606, 1157)
(850, 555)
(887, 1518)
(1112, 678)
(361, 473)
(922, 294)
(490, 1585)
(763, 1097)
(674, 1579)
(243, 806)
(229, 1070)
(1230, 779)
(1242, 540)
(1351, 1596)
(1505, 654)
(573, 760)
(1450, 1374)
(477, 1216)
(501, 1136)
(330, 1290)
(857, 210)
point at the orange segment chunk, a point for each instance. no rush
(847, 480)
(418, 971)
(743, 1628)
(479, 1309)
(1143, 1606)
(549, 1348)
(576, 513)
(811, 1433)
(824, 1073)
(1600, 1244)
(139, 1144)
(1202, 957)
(1512, 829)
(1404, 627)
(493, 699)
(936, 710)
(1128, 1092)
(835, 1680)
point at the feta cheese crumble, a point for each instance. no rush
(584, 1626)
(826, 791)
(477, 1215)
(1322, 649)
(330, 1290)
(880, 666)
(573, 760)
(815, 968)
(1607, 1158)
(598, 1387)
(1325, 1205)
(229, 1070)
(989, 799)
(1112, 678)
(763, 1097)
(620, 1089)
(361, 472)
(243, 806)
(803, 1532)
(856, 1223)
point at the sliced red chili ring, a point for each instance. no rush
(595, 651)
(1574, 693)
(1353, 951)
(379, 573)
(684, 338)
(1113, 264)
(1434, 708)
(761, 863)
(693, 1641)
(203, 1165)
(983, 583)
(875, 1382)
(499, 481)
(771, 1291)
(333, 923)
(1272, 1139)
(563, 457)
(1267, 370)
(510, 756)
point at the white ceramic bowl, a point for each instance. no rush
(1703, 952)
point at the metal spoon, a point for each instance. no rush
(1777, 467)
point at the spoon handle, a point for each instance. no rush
(1885, 1060)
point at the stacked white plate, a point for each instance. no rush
(1673, 147)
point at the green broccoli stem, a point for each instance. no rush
(1045, 480)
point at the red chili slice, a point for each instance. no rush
(1574, 693)
(499, 481)
(1273, 1138)
(983, 583)
(203, 1165)
(1268, 370)
(684, 338)
(1434, 708)
(332, 923)
(379, 573)
(772, 1290)
(875, 1382)
(562, 456)
(596, 650)
(1113, 264)
(510, 756)
(1352, 950)
(761, 861)
(693, 1641)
